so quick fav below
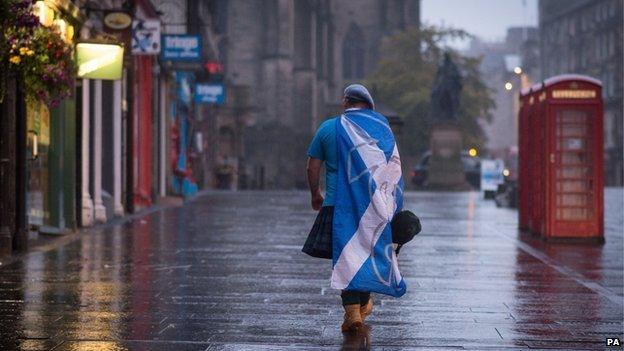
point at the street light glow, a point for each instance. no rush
(472, 152)
(517, 70)
(508, 86)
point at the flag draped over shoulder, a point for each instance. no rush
(369, 192)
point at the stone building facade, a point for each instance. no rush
(585, 36)
(286, 63)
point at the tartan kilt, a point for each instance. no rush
(319, 241)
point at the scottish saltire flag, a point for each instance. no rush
(369, 192)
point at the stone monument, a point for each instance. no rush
(446, 171)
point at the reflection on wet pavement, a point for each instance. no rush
(225, 272)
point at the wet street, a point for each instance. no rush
(225, 272)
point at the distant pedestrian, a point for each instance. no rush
(364, 189)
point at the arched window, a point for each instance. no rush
(353, 50)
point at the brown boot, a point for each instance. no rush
(352, 318)
(366, 309)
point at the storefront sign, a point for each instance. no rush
(117, 20)
(181, 47)
(99, 61)
(209, 93)
(146, 37)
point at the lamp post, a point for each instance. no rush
(520, 81)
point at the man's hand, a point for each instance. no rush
(314, 171)
(317, 201)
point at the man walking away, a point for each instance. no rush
(363, 191)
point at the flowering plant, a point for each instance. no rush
(41, 59)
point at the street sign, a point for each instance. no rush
(145, 37)
(99, 61)
(491, 174)
(212, 93)
(117, 20)
(176, 47)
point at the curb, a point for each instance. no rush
(76, 234)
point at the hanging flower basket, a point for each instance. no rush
(37, 55)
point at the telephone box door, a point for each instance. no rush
(575, 195)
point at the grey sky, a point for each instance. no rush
(487, 19)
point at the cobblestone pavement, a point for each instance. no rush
(225, 272)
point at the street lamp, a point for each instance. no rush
(517, 70)
(508, 86)
(44, 12)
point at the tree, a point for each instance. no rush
(404, 77)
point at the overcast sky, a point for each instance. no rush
(487, 19)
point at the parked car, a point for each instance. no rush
(472, 169)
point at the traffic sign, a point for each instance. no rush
(210, 93)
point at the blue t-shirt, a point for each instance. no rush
(323, 147)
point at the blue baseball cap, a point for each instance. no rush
(359, 92)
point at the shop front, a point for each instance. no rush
(51, 139)
(38, 120)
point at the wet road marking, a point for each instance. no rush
(172, 267)
(568, 272)
(499, 334)
(169, 326)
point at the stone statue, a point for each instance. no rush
(446, 171)
(446, 89)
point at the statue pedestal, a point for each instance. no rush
(446, 171)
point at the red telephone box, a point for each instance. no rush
(561, 159)
(530, 141)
